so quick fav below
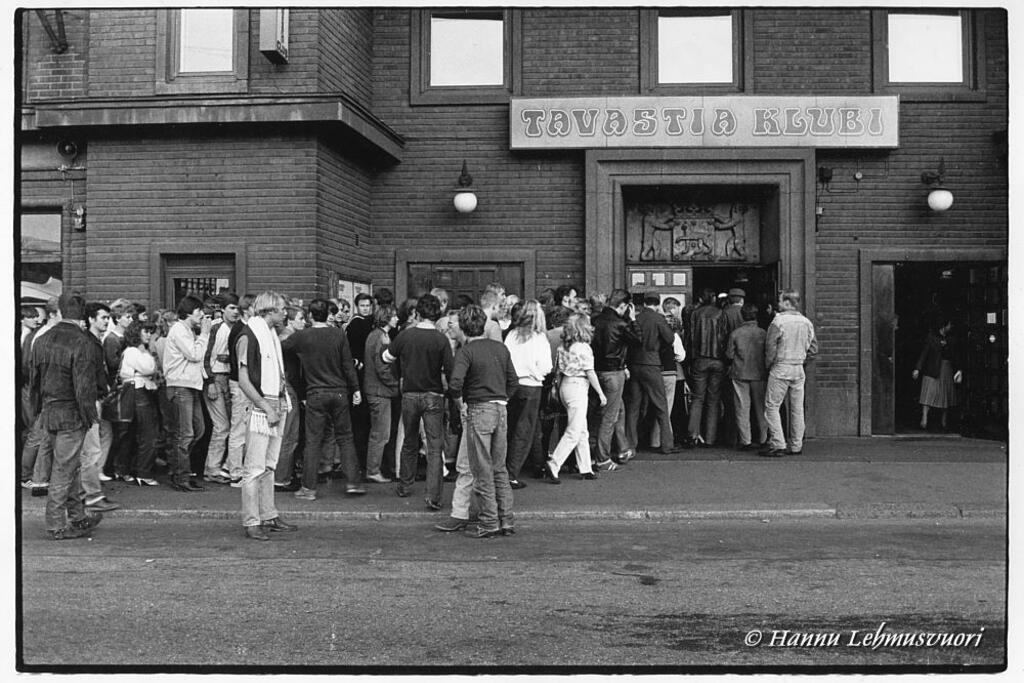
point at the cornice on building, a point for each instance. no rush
(329, 110)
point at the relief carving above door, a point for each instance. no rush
(693, 232)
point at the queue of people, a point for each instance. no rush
(478, 394)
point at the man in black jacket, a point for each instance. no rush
(615, 332)
(708, 336)
(645, 373)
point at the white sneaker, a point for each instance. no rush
(378, 478)
(104, 477)
(27, 484)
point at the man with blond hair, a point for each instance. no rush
(261, 377)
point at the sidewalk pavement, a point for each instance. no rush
(852, 478)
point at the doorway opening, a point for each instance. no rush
(759, 282)
(973, 297)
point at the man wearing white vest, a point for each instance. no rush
(261, 378)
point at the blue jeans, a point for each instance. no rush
(706, 383)
(430, 407)
(189, 427)
(613, 415)
(523, 418)
(384, 413)
(289, 441)
(66, 497)
(486, 431)
(220, 424)
(261, 451)
(645, 380)
(324, 408)
(782, 380)
(37, 454)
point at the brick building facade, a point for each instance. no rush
(338, 160)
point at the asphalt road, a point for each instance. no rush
(596, 596)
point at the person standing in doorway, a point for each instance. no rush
(707, 334)
(939, 372)
(789, 344)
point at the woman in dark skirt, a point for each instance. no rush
(938, 368)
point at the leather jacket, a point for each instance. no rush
(613, 335)
(707, 333)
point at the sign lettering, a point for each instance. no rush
(737, 121)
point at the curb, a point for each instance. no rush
(877, 511)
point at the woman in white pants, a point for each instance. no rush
(576, 376)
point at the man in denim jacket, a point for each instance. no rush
(790, 342)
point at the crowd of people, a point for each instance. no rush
(269, 394)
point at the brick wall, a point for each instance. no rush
(345, 244)
(122, 57)
(533, 200)
(299, 75)
(811, 51)
(346, 52)
(595, 54)
(48, 75)
(256, 191)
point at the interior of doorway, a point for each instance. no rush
(925, 292)
(759, 282)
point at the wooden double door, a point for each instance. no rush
(467, 278)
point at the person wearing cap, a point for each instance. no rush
(733, 316)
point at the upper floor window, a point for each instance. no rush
(685, 51)
(927, 54)
(464, 56)
(206, 38)
(202, 51)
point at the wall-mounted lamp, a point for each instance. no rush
(465, 198)
(77, 217)
(939, 199)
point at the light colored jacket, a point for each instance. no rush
(183, 356)
(790, 340)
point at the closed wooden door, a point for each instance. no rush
(883, 365)
(985, 394)
(469, 279)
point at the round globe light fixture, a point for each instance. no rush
(465, 198)
(940, 199)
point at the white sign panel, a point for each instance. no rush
(738, 121)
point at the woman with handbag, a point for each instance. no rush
(139, 371)
(574, 380)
